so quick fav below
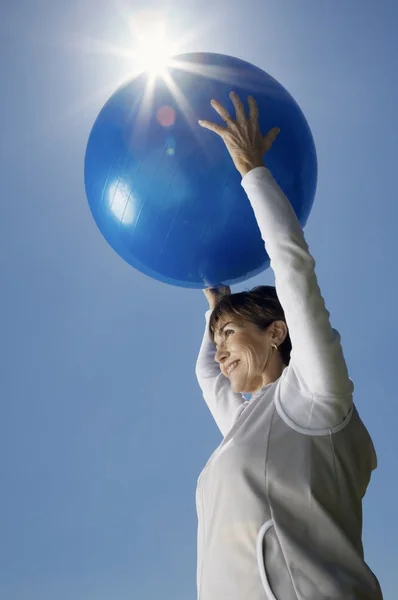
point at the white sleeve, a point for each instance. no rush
(317, 370)
(224, 404)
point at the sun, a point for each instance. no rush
(152, 50)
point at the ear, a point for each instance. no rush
(278, 331)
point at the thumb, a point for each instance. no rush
(270, 138)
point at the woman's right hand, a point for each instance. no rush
(213, 295)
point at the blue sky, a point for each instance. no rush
(103, 431)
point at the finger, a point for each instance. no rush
(212, 127)
(224, 114)
(239, 108)
(253, 109)
(269, 138)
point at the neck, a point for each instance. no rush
(273, 370)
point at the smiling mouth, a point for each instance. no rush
(232, 367)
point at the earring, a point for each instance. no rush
(274, 346)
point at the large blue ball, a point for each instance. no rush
(164, 192)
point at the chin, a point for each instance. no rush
(238, 388)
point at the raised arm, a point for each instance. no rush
(223, 403)
(317, 370)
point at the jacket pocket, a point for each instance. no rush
(261, 559)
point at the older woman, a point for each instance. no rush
(280, 500)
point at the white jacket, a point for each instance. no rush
(280, 501)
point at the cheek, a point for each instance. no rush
(254, 356)
(249, 356)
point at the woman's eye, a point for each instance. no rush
(228, 331)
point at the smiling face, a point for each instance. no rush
(245, 353)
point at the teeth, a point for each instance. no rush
(232, 367)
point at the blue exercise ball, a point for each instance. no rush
(164, 192)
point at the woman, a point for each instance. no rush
(280, 501)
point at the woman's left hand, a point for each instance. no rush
(242, 137)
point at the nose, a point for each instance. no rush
(221, 355)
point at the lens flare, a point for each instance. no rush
(166, 116)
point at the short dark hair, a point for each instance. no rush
(259, 305)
